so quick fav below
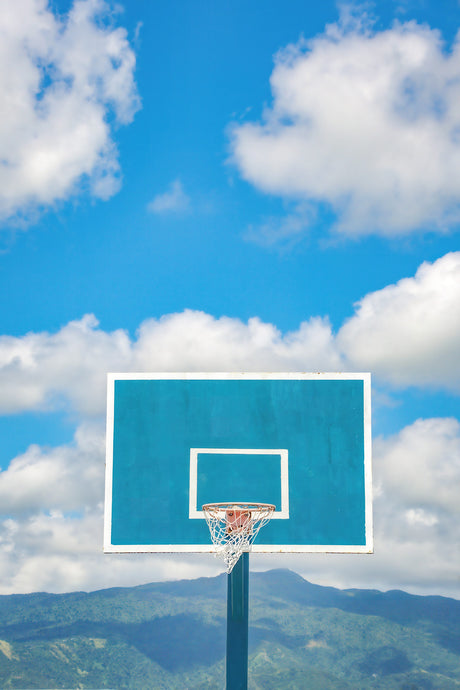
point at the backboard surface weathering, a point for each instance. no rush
(178, 441)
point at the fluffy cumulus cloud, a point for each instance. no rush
(416, 517)
(49, 545)
(52, 498)
(365, 122)
(65, 479)
(419, 471)
(405, 334)
(409, 333)
(51, 502)
(416, 475)
(64, 83)
(51, 523)
(58, 553)
(196, 341)
(41, 371)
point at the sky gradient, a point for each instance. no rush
(227, 187)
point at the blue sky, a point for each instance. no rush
(227, 186)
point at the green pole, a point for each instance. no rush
(237, 625)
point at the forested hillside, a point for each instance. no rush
(172, 635)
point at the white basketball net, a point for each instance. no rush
(234, 526)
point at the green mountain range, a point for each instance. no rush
(172, 635)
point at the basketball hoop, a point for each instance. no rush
(234, 526)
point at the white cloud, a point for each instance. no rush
(416, 511)
(196, 341)
(406, 334)
(62, 82)
(51, 524)
(365, 121)
(420, 470)
(44, 371)
(174, 200)
(63, 479)
(417, 473)
(51, 529)
(417, 531)
(58, 553)
(409, 333)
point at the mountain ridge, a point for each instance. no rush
(172, 635)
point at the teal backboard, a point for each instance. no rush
(178, 441)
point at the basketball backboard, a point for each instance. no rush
(178, 441)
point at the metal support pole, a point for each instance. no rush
(237, 625)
